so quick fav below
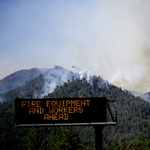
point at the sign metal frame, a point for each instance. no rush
(97, 111)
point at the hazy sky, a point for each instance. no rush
(112, 36)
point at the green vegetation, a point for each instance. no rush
(48, 138)
(139, 143)
(30, 89)
(132, 131)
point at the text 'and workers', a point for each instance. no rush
(57, 109)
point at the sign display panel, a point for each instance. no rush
(60, 110)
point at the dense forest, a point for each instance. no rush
(131, 131)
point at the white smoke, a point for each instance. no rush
(57, 76)
(131, 77)
(85, 72)
(145, 96)
(113, 33)
(101, 83)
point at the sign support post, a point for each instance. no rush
(98, 137)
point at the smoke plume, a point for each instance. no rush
(85, 72)
(115, 34)
(132, 77)
(145, 96)
(55, 77)
(58, 76)
(120, 44)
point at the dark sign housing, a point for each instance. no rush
(60, 111)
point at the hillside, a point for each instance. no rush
(19, 78)
(46, 83)
(133, 112)
(31, 89)
(34, 82)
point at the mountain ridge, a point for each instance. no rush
(133, 111)
(52, 78)
(47, 82)
(18, 78)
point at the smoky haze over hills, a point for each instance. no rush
(51, 79)
(114, 34)
(133, 112)
(47, 81)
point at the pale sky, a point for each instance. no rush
(113, 36)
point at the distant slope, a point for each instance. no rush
(19, 78)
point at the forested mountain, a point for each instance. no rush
(133, 112)
(19, 78)
(46, 83)
(132, 129)
(133, 116)
(34, 82)
(31, 89)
